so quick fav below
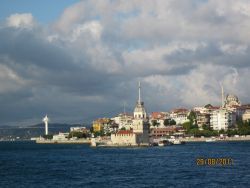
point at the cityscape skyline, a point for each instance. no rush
(81, 59)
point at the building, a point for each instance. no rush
(222, 119)
(202, 119)
(231, 101)
(60, 137)
(101, 124)
(124, 120)
(246, 115)
(139, 133)
(159, 118)
(124, 137)
(161, 132)
(180, 115)
(79, 129)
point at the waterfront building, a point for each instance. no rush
(222, 119)
(124, 120)
(99, 124)
(162, 132)
(139, 134)
(60, 137)
(79, 129)
(180, 115)
(105, 125)
(124, 137)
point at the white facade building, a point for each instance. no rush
(78, 129)
(222, 119)
(179, 115)
(124, 121)
(60, 137)
(246, 115)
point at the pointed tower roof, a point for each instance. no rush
(139, 108)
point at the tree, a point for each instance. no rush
(186, 126)
(166, 122)
(206, 127)
(172, 122)
(78, 134)
(49, 136)
(222, 131)
(154, 123)
(208, 106)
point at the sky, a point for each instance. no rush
(79, 60)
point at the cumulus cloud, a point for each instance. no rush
(86, 63)
(25, 20)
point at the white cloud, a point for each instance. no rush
(181, 50)
(24, 20)
(92, 28)
(233, 49)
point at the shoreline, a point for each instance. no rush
(86, 141)
(216, 139)
(83, 141)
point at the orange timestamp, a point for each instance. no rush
(225, 161)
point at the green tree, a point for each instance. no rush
(192, 117)
(208, 106)
(166, 122)
(154, 123)
(172, 122)
(49, 136)
(206, 127)
(78, 134)
(186, 126)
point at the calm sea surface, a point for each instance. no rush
(26, 164)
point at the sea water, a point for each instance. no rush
(26, 164)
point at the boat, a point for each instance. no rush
(176, 141)
(164, 143)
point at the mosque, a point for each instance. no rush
(139, 132)
(231, 101)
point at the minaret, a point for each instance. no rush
(46, 120)
(139, 98)
(222, 95)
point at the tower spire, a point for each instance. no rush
(222, 95)
(139, 99)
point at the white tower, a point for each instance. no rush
(222, 95)
(139, 111)
(140, 121)
(46, 120)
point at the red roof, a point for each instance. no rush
(157, 115)
(178, 110)
(125, 132)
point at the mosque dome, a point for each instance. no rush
(232, 100)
